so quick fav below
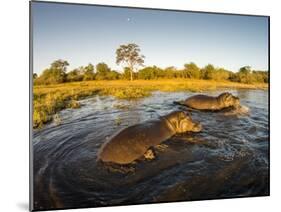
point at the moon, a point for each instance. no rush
(128, 19)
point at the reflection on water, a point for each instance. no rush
(229, 158)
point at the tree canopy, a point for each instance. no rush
(55, 74)
(129, 55)
(58, 73)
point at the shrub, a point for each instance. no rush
(74, 76)
(51, 76)
(192, 71)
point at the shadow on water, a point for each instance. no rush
(229, 158)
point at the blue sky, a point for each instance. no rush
(84, 34)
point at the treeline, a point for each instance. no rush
(57, 73)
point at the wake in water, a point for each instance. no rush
(229, 158)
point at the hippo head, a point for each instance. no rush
(228, 100)
(182, 122)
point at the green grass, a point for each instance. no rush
(48, 100)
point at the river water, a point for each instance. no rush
(229, 158)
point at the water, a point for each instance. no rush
(229, 158)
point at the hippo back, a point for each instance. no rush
(202, 102)
(131, 143)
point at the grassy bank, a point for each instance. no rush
(49, 99)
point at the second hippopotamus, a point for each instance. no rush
(204, 102)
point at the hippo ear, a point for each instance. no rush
(181, 116)
(228, 96)
(223, 96)
(186, 114)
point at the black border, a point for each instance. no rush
(31, 180)
(268, 104)
(146, 8)
(124, 7)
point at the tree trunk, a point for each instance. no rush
(131, 73)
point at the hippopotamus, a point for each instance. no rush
(133, 142)
(204, 102)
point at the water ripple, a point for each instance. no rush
(229, 158)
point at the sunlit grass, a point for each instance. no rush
(49, 99)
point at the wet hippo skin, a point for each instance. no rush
(204, 102)
(132, 142)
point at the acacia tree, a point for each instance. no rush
(130, 55)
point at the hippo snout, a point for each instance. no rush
(197, 127)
